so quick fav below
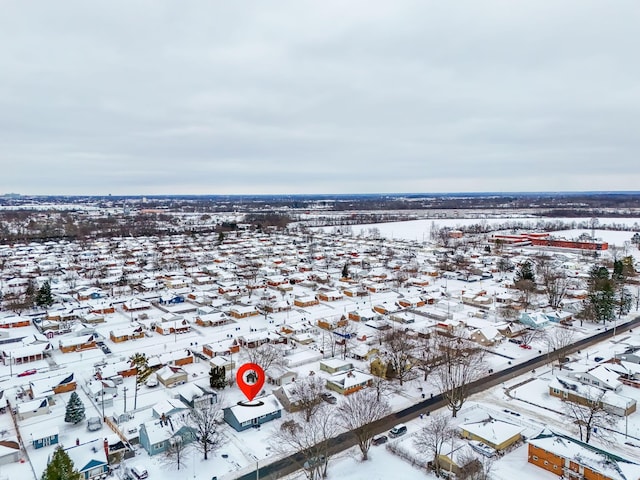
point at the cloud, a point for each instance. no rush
(318, 97)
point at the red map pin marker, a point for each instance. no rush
(250, 379)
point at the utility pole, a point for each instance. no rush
(125, 398)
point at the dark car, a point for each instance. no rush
(31, 371)
(379, 439)
(327, 397)
(598, 359)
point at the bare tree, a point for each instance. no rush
(528, 335)
(558, 339)
(308, 439)
(206, 423)
(307, 392)
(475, 467)
(504, 265)
(508, 312)
(176, 452)
(462, 363)
(427, 353)
(433, 436)
(400, 354)
(265, 355)
(589, 416)
(357, 414)
(554, 280)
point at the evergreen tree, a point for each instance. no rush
(218, 377)
(60, 467)
(345, 271)
(601, 301)
(75, 409)
(143, 372)
(44, 298)
(525, 272)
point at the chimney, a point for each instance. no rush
(105, 444)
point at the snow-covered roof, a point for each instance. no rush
(493, 431)
(268, 406)
(606, 463)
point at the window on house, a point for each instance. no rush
(546, 462)
(535, 457)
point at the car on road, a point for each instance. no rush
(598, 359)
(328, 397)
(26, 373)
(398, 430)
(379, 439)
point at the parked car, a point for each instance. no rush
(152, 381)
(598, 359)
(94, 423)
(398, 430)
(525, 346)
(379, 439)
(516, 341)
(26, 373)
(328, 397)
(139, 472)
(482, 448)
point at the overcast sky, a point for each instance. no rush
(225, 97)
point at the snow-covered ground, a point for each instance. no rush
(242, 451)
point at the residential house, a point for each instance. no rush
(127, 333)
(262, 410)
(497, 434)
(45, 436)
(277, 375)
(573, 390)
(197, 396)
(458, 458)
(18, 355)
(33, 408)
(329, 295)
(14, 321)
(78, 344)
(243, 311)
(173, 328)
(214, 319)
(90, 459)
(335, 365)
(288, 397)
(486, 336)
(223, 347)
(349, 382)
(601, 376)
(171, 376)
(535, 320)
(156, 436)
(9, 450)
(305, 301)
(52, 385)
